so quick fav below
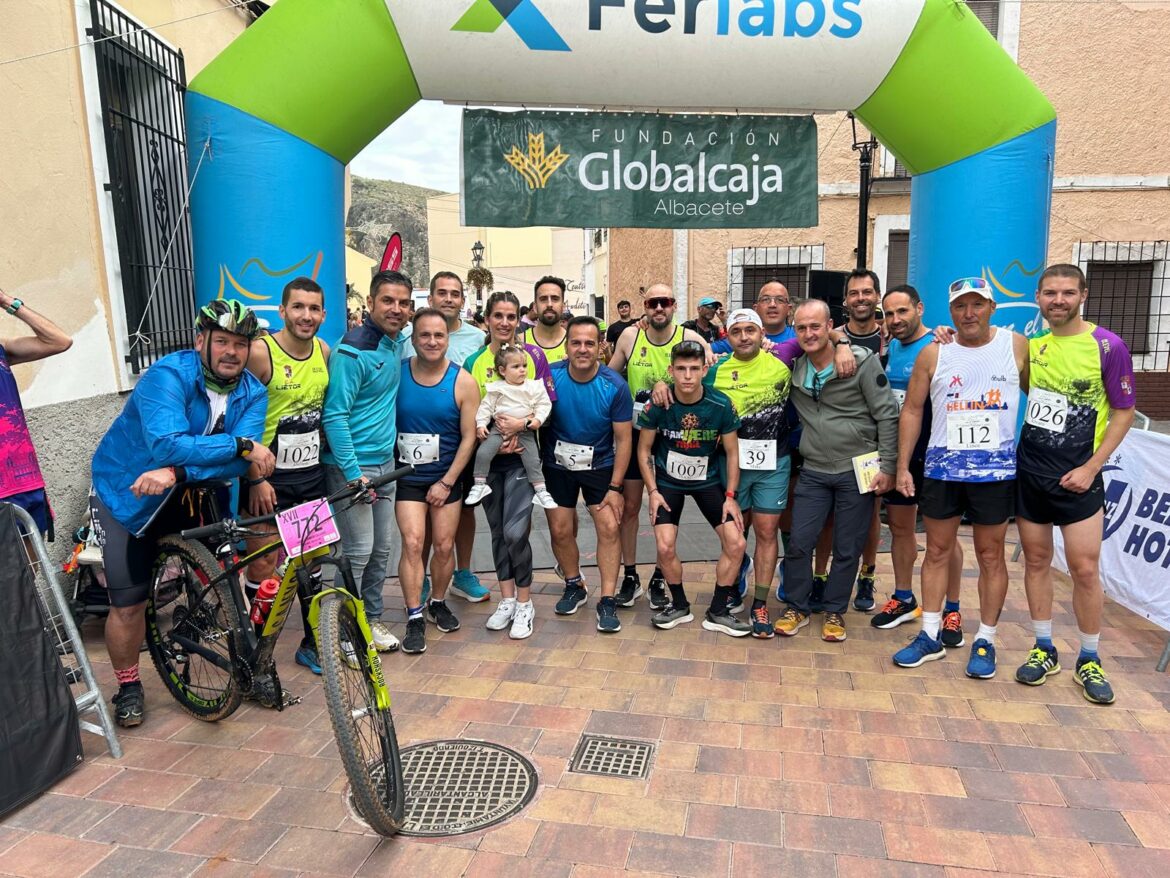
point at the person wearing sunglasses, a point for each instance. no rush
(705, 324)
(774, 305)
(844, 419)
(643, 355)
(690, 450)
(974, 390)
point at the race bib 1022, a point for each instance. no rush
(298, 450)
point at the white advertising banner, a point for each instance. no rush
(1135, 556)
(713, 54)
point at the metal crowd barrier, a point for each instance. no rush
(67, 638)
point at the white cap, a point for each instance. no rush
(976, 285)
(744, 315)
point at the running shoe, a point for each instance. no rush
(920, 650)
(816, 598)
(415, 641)
(672, 617)
(725, 623)
(791, 622)
(129, 705)
(1041, 662)
(1092, 679)
(607, 617)
(522, 621)
(761, 624)
(466, 585)
(571, 601)
(951, 633)
(981, 665)
(426, 590)
(478, 491)
(746, 566)
(658, 597)
(863, 602)
(442, 617)
(502, 617)
(384, 641)
(630, 591)
(895, 612)
(307, 657)
(780, 570)
(833, 628)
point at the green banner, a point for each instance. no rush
(602, 170)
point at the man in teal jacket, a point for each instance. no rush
(194, 415)
(359, 428)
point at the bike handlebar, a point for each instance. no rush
(211, 530)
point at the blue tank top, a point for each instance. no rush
(428, 411)
(899, 367)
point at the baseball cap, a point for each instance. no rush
(966, 285)
(744, 315)
(708, 302)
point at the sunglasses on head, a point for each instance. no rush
(659, 302)
(974, 283)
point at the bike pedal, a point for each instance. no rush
(290, 700)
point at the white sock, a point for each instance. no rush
(986, 632)
(1089, 642)
(931, 624)
(1043, 630)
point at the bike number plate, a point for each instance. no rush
(307, 527)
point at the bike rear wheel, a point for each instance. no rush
(365, 735)
(181, 607)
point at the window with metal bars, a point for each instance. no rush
(897, 260)
(752, 267)
(1120, 298)
(141, 81)
(987, 11)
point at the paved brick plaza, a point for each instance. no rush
(785, 756)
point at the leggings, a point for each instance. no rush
(509, 514)
(529, 456)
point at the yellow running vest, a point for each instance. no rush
(649, 363)
(296, 394)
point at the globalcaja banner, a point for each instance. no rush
(1135, 554)
(647, 170)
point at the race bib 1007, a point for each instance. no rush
(972, 431)
(757, 454)
(682, 468)
(1047, 410)
(298, 450)
(418, 448)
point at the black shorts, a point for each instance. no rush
(416, 492)
(566, 485)
(290, 491)
(129, 560)
(1041, 499)
(709, 500)
(896, 498)
(633, 472)
(984, 503)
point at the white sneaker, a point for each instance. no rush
(544, 500)
(505, 611)
(522, 624)
(478, 491)
(384, 641)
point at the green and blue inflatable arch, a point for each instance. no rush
(274, 119)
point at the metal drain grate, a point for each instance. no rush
(612, 757)
(455, 787)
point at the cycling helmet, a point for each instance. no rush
(228, 315)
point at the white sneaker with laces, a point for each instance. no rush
(502, 617)
(384, 641)
(522, 623)
(544, 500)
(478, 491)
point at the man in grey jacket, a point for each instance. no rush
(843, 418)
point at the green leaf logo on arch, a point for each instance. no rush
(529, 23)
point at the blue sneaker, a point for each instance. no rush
(467, 585)
(921, 649)
(426, 590)
(981, 666)
(746, 566)
(307, 656)
(780, 594)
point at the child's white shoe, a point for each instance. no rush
(478, 491)
(544, 500)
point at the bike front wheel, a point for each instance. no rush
(190, 620)
(365, 734)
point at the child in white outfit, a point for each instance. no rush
(517, 396)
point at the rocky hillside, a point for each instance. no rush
(380, 207)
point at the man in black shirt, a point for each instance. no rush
(705, 323)
(619, 326)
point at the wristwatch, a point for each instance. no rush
(617, 489)
(14, 306)
(243, 446)
(843, 340)
(731, 495)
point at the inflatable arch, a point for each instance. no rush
(274, 119)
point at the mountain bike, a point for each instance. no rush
(210, 653)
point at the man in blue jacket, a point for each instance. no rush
(194, 415)
(359, 422)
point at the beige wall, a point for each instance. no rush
(51, 249)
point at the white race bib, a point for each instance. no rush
(682, 468)
(899, 397)
(757, 454)
(573, 457)
(972, 431)
(638, 407)
(418, 448)
(298, 450)
(1047, 410)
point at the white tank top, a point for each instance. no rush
(975, 396)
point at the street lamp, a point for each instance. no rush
(865, 150)
(477, 254)
(479, 278)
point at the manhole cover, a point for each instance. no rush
(455, 787)
(613, 757)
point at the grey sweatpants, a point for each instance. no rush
(529, 456)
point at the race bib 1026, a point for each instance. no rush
(1047, 410)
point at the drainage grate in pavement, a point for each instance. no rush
(455, 787)
(613, 757)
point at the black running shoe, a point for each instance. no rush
(607, 617)
(816, 598)
(630, 591)
(129, 705)
(895, 612)
(415, 640)
(574, 596)
(658, 597)
(863, 602)
(1092, 680)
(442, 617)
